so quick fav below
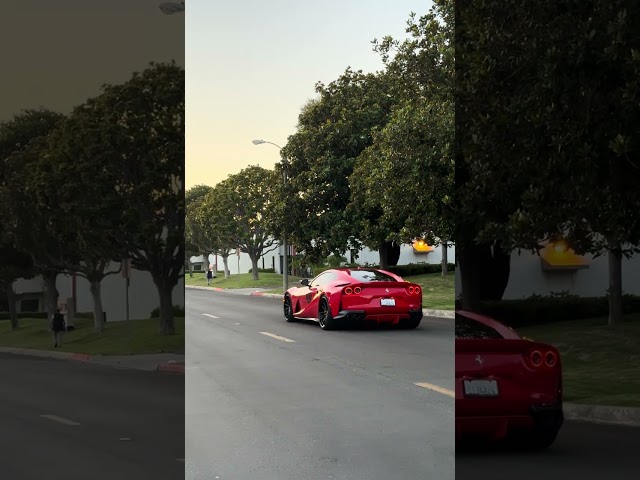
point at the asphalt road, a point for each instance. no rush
(582, 451)
(270, 400)
(73, 421)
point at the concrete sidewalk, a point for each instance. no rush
(261, 292)
(160, 362)
(627, 416)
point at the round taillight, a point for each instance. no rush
(348, 291)
(357, 290)
(417, 290)
(536, 358)
(550, 359)
(411, 290)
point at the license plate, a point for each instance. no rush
(388, 302)
(481, 388)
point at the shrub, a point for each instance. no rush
(538, 309)
(263, 270)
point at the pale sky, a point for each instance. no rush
(57, 54)
(252, 64)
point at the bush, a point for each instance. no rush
(178, 311)
(263, 270)
(402, 270)
(40, 315)
(538, 310)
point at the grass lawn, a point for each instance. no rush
(118, 338)
(438, 292)
(244, 280)
(600, 364)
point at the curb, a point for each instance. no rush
(169, 367)
(627, 416)
(176, 368)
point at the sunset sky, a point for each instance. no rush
(251, 66)
(87, 44)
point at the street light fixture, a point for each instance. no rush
(171, 8)
(285, 259)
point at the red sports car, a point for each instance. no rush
(506, 386)
(342, 295)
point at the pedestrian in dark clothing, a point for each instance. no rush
(209, 276)
(57, 327)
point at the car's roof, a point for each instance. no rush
(504, 330)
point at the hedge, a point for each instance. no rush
(177, 312)
(408, 270)
(263, 270)
(537, 310)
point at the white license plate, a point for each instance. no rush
(388, 302)
(481, 388)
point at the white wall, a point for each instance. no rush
(143, 295)
(407, 255)
(528, 278)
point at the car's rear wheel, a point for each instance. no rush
(288, 309)
(325, 318)
(410, 324)
(539, 438)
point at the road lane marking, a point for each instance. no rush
(436, 388)
(64, 421)
(125, 439)
(210, 316)
(278, 337)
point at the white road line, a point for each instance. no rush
(278, 337)
(436, 388)
(64, 421)
(210, 316)
(125, 439)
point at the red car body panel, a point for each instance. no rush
(529, 384)
(363, 301)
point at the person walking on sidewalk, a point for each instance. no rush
(209, 277)
(57, 327)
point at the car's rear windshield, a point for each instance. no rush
(470, 329)
(371, 276)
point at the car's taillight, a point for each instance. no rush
(417, 290)
(348, 290)
(357, 290)
(411, 290)
(539, 358)
(535, 358)
(550, 359)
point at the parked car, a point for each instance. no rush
(341, 296)
(507, 387)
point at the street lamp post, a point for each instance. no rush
(285, 247)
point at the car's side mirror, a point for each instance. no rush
(304, 282)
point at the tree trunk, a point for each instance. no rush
(165, 292)
(11, 300)
(225, 261)
(445, 259)
(615, 286)
(383, 252)
(190, 265)
(470, 291)
(50, 293)
(96, 295)
(254, 266)
(205, 262)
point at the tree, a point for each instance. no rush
(535, 96)
(333, 131)
(239, 208)
(146, 130)
(76, 166)
(22, 143)
(193, 199)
